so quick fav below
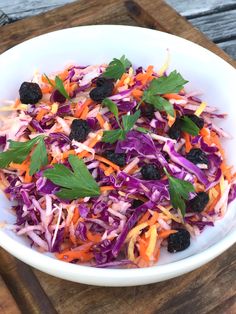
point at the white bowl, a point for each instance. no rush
(98, 44)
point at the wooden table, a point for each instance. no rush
(209, 289)
(215, 18)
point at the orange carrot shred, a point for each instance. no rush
(100, 119)
(106, 161)
(106, 188)
(165, 233)
(188, 144)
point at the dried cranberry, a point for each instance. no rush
(199, 202)
(175, 130)
(198, 121)
(147, 110)
(30, 93)
(104, 89)
(178, 241)
(100, 81)
(197, 156)
(79, 130)
(117, 158)
(151, 172)
(136, 203)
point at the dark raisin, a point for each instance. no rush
(100, 81)
(175, 130)
(147, 110)
(79, 130)
(198, 121)
(101, 92)
(151, 172)
(117, 158)
(178, 241)
(199, 202)
(197, 156)
(30, 93)
(136, 203)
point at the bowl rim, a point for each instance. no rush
(111, 276)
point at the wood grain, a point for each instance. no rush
(19, 9)
(201, 7)
(158, 15)
(210, 289)
(77, 13)
(212, 25)
(229, 47)
(24, 286)
(209, 9)
(7, 303)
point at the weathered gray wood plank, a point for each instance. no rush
(215, 18)
(219, 26)
(229, 47)
(19, 9)
(201, 7)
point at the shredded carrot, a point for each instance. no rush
(153, 219)
(67, 153)
(171, 119)
(106, 161)
(122, 80)
(17, 102)
(80, 108)
(100, 119)
(173, 96)
(75, 216)
(46, 89)
(109, 171)
(102, 166)
(84, 113)
(204, 132)
(144, 218)
(92, 143)
(41, 114)
(106, 188)
(143, 244)
(188, 144)
(165, 233)
(28, 178)
(145, 77)
(137, 93)
(94, 237)
(20, 167)
(44, 80)
(214, 201)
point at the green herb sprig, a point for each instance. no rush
(58, 86)
(19, 151)
(188, 126)
(179, 192)
(128, 121)
(116, 68)
(172, 83)
(74, 184)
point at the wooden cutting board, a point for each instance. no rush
(210, 289)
